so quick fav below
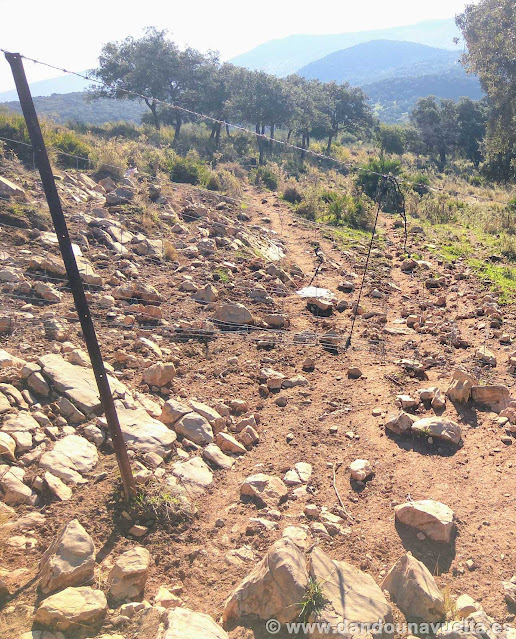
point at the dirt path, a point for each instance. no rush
(329, 421)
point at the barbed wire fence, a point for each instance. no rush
(250, 333)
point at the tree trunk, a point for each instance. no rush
(259, 140)
(261, 160)
(177, 128)
(213, 131)
(289, 134)
(328, 148)
(442, 159)
(227, 131)
(154, 110)
(273, 130)
(217, 134)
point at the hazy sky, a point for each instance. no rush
(71, 33)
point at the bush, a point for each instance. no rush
(188, 171)
(109, 159)
(310, 205)
(508, 247)
(292, 194)
(266, 177)
(71, 144)
(419, 183)
(349, 210)
(438, 209)
(13, 126)
(369, 179)
(476, 180)
(214, 184)
(230, 183)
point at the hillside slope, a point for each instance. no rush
(74, 107)
(291, 400)
(287, 55)
(377, 60)
(64, 84)
(394, 98)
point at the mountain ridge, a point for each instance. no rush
(378, 60)
(286, 55)
(62, 84)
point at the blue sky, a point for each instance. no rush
(71, 34)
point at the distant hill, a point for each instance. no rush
(393, 99)
(63, 84)
(378, 60)
(74, 106)
(287, 55)
(396, 74)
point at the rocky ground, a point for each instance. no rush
(267, 456)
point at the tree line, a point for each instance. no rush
(154, 66)
(483, 132)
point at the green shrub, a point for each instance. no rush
(508, 247)
(419, 183)
(71, 144)
(348, 210)
(12, 126)
(370, 177)
(109, 159)
(476, 180)
(266, 177)
(438, 209)
(309, 207)
(214, 184)
(230, 184)
(292, 194)
(187, 171)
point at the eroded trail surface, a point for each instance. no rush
(278, 391)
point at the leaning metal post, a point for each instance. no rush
(74, 278)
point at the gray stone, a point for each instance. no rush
(183, 623)
(351, 595)
(460, 386)
(438, 428)
(69, 560)
(72, 608)
(233, 314)
(494, 397)
(213, 454)
(196, 428)
(194, 475)
(430, 517)
(15, 491)
(414, 591)
(129, 574)
(266, 489)
(274, 588)
(401, 423)
(173, 411)
(58, 488)
(143, 433)
(71, 457)
(76, 383)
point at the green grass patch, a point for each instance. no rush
(502, 278)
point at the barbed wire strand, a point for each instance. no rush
(215, 120)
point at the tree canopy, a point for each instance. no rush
(489, 29)
(154, 66)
